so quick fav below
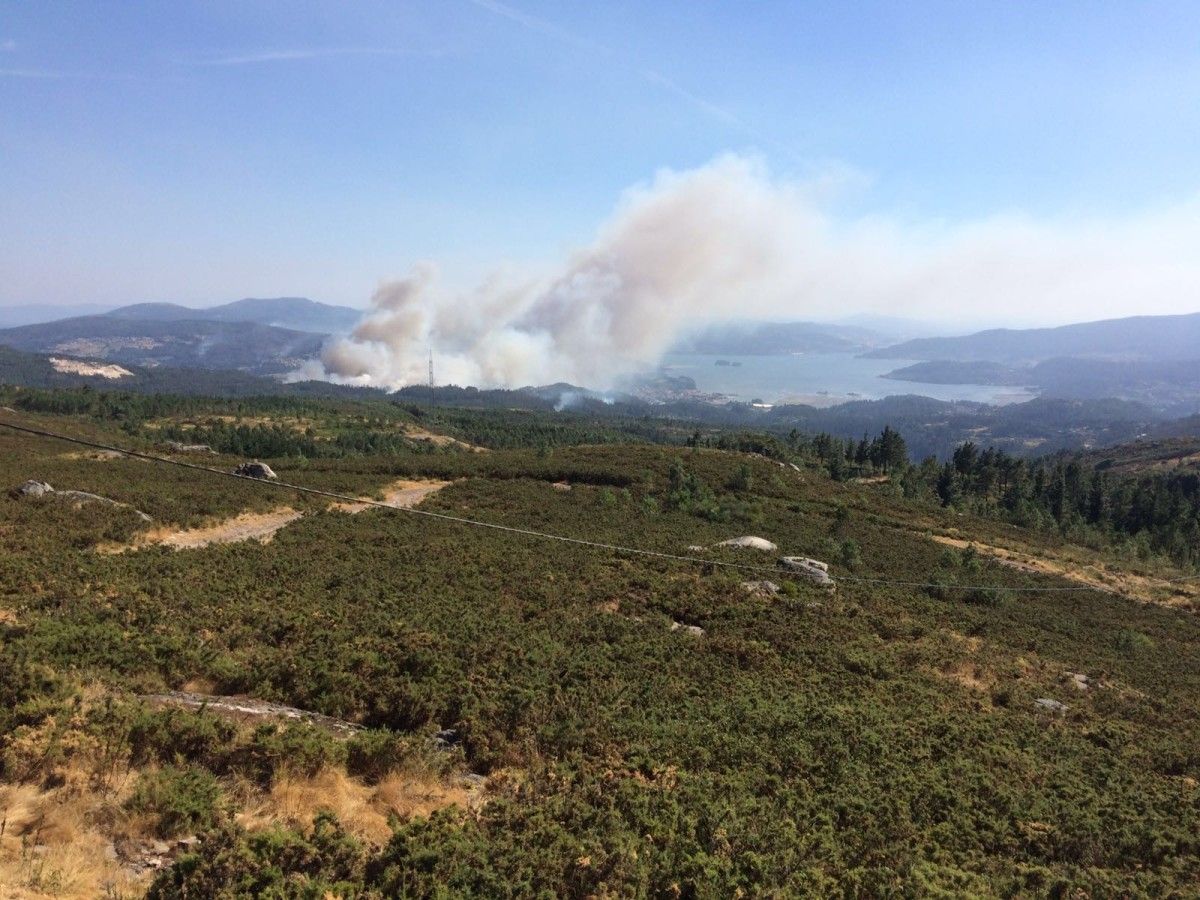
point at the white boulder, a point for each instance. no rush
(749, 542)
(32, 488)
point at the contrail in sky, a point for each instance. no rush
(651, 76)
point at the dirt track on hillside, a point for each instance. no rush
(1148, 589)
(402, 494)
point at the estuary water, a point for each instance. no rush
(820, 379)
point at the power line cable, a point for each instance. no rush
(529, 532)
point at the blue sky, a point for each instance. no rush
(202, 152)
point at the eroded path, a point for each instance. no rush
(244, 527)
(402, 494)
(262, 526)
(1148, 589)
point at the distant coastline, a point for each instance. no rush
(960, 372)
(821, 379)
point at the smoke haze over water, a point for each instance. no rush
(728, 241)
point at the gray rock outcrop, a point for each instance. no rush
(250, 709)
(1080, 680)
(1053, 706)
(812, 569)
(255, 470)
(79, 497)
(761, 588)
(31, 488)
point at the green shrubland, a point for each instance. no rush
(881, 739)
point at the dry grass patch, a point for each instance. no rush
(200, 685)
(365, 810)
(968, 670)
(262, 526)
(440, 440)
(96, 455)
(969, 674)
(85, 837)
(970, 643)
(53, 843)
(296, 424)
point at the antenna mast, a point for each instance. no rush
(431, 378)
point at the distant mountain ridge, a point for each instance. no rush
(1131, 339)
(295, 313)
(778, 338)
(35, 370)
(1170, 384)
(263, 336)
(188, 343)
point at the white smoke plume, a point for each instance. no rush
(727, 241)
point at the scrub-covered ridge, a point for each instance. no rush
(376, 703)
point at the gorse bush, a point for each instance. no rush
(741, 480)
(1132, 643)
(179, 737)
(849, 553)
(878, 739)
(323, 862)
(297, 749)
(180, 800)
(372, 755)
(688, 493)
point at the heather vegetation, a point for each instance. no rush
(530, 723)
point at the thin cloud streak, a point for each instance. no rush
(60, 75)
(295, 55)
(651, 76)
(535, 23)
(705, 106)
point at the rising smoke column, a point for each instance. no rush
(727, 241)
(688, 247)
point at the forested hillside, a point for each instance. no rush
(974, 708)
(931, 427)
(182, 343)
(297, 313)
